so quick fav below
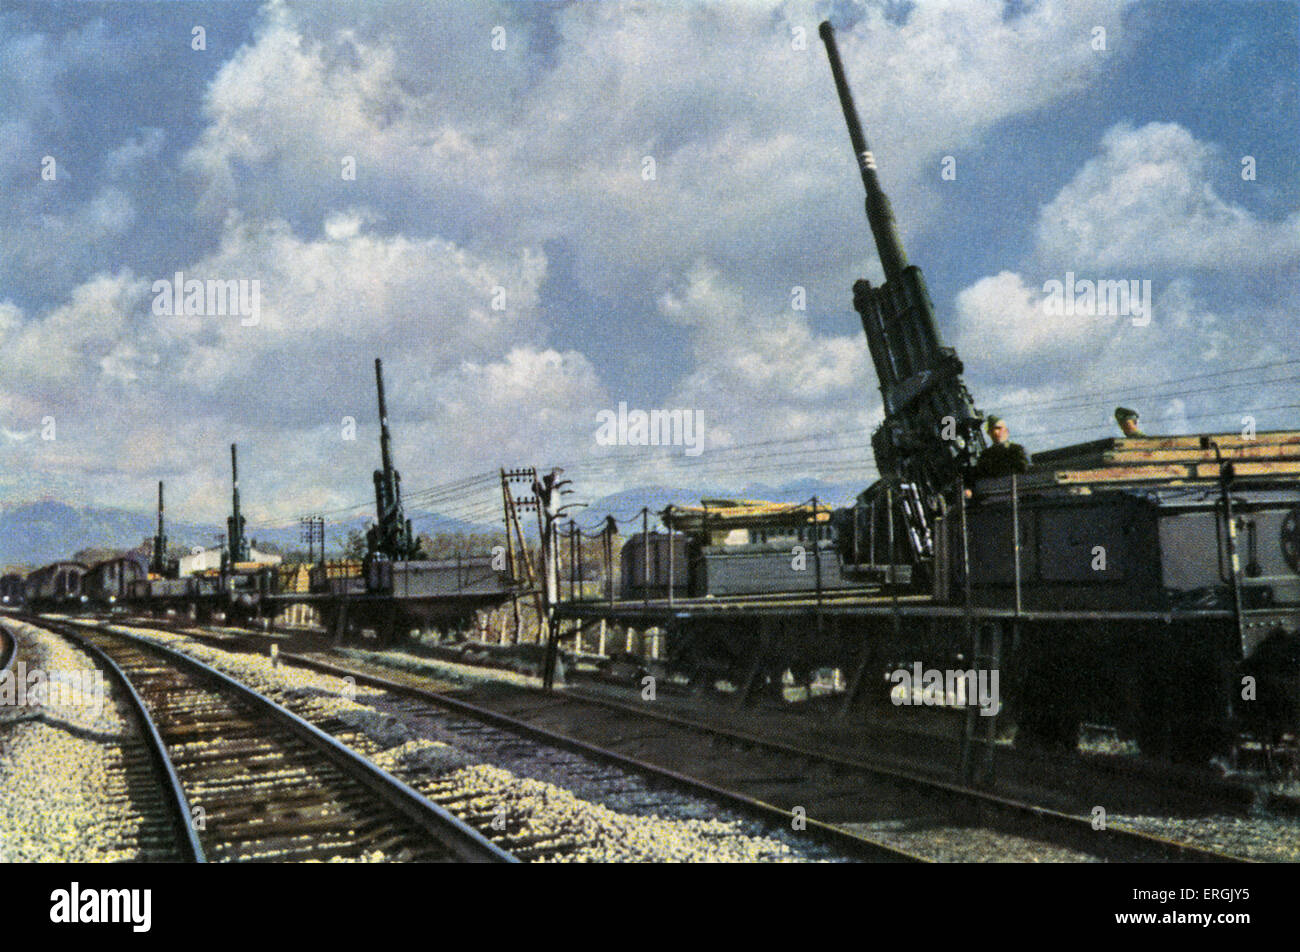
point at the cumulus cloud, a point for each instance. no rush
(1000, 320)
(494, 187)
(328, 308)
(1153, 198)
(760, 371)
(750, 159)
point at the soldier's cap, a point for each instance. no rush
(1124, 413)
(992, 422)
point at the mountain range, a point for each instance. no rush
(36, 533)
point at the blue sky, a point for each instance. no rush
(521, 169)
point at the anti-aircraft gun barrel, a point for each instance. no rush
(879, 212)
(385, 440)
(392, 535)
(158, 564)
(237, 545)
(930, 436)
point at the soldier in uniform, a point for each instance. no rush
(1128, 421)
(1002, 458)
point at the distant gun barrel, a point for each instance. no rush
(879, 213)
(158, 563)
(236, 543)
(385, 440)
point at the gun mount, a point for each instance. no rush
(236, 541)
(391, 536)
(931, 435)
(158, 564)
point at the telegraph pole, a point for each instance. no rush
(311, 529)
(548, 489)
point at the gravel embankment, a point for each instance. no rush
(62, 785)
(534, 812)
(1262, 838)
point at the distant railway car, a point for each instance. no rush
(111, 582)
(246, 586)
(11, 590)
(730, 547)
(55, 586)
(637, 565)
(468, 576)
(338, 577)
(767, 568)
(392, 597)
(161, 589)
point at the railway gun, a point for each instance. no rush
(1151, 584)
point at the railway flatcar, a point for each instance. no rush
(1147, 583)
(465, 576)
(55, 587)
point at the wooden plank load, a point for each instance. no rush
(1160, 458)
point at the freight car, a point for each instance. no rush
(11, 590)
(730, 548)
(395, 597)
(55, 587)
(110, 583)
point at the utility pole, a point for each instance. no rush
(159, 566)
(311, 529)
(518, 551)
(548, 489)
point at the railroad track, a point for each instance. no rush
(858, 797)
(646, 788)
(249, 781)
(1161, 784)
(873, 811)
(8, 648)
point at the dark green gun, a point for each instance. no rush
(931, 433)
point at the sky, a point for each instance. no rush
(535, 212)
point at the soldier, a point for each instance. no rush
(1128, 421)
(1002, 458)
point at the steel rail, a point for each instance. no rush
(465, 842)
(1078, 832)
(8, 648)
(178, 803)
(1074, 826)
(855, 844)
(844, 840)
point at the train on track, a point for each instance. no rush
(1151, 584)
(1148, 583)
(12, 590)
